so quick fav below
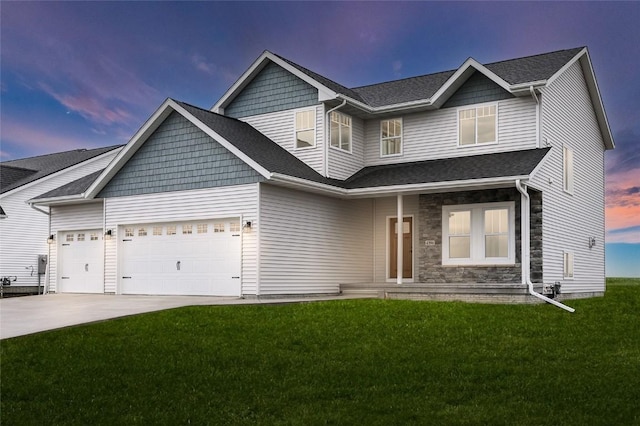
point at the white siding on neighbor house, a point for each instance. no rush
(23, 234)
(434, 134)
(221, 202)
(70, 218)
(310, 244)
(343, 164)
(384, 209)
(570, 219)
(280, 128)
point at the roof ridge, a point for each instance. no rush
(402, 79)
(108, 148)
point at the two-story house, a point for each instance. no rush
(293, 184)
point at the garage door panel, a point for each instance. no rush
(196, 258)
(81, 262)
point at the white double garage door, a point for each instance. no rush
(181, 258)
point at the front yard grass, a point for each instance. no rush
(375, 362)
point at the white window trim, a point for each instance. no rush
(295, 130)
(477, 234)
(476, 106)
(399, 154)
(566, 253)
(350, 150)
(568, 187)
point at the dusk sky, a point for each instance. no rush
(88, 74)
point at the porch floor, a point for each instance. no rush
(466, 292)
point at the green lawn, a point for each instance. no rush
(372, 362)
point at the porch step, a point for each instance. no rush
(468, 292)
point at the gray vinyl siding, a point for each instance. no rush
(476, 90)
(434, 134)
(273, 89)
(224, 202)
(280, 128)
(310, 244)
(71, 218)
(343, 164)
(569, 220)
(177, 157)
(23, 234)
(384, 209)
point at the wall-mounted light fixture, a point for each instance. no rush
(247, 225)
(108, 234)
(51, 239)
(592, 241)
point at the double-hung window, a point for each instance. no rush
(477, 125)
(567, 168)
(305, 129)
(478, 234)
(391, 137)
(341, 131)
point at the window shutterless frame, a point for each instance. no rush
(304, 128)
(474, 234)
(567, 169)
(475, 126)
(340, 131)
(391, 137)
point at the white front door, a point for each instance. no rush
(81, 262)
(191, 258)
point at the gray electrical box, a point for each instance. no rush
(42, 264)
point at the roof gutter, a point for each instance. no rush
(525, 247)
(381, 191)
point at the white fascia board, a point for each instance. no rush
(324, 93)
(56, 201)
(222, 141)
(132, 146)
(381, 191)
(60, 172)
(470, 63)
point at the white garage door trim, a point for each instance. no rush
(199, 258)
(81, 264)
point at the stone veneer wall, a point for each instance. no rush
(430, 269)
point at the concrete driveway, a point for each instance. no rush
(32, 314)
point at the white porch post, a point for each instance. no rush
(400, 236)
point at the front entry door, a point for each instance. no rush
(407, 254)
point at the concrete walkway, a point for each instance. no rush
(32, 314)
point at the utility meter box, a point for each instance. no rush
(42, 264)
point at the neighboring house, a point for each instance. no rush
(292, 184)
(24, 230)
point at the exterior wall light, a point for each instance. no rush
(108, 234)
(51, 239)
(592, 241)
(247, 225)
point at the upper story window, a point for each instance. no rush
(305, 128)
(567, 169)
(341, 131)
(477, 125)
(391, 137)
(478, 234)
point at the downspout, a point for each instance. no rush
(525, 248)
(327, 140)
(535, 97)
(45, 288)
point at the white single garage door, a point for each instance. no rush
(191, 258)
(81, 262)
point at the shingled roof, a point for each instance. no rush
(514, 71)
(16, 173)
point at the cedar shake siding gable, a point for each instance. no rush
(176, 157)
(273, 89)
